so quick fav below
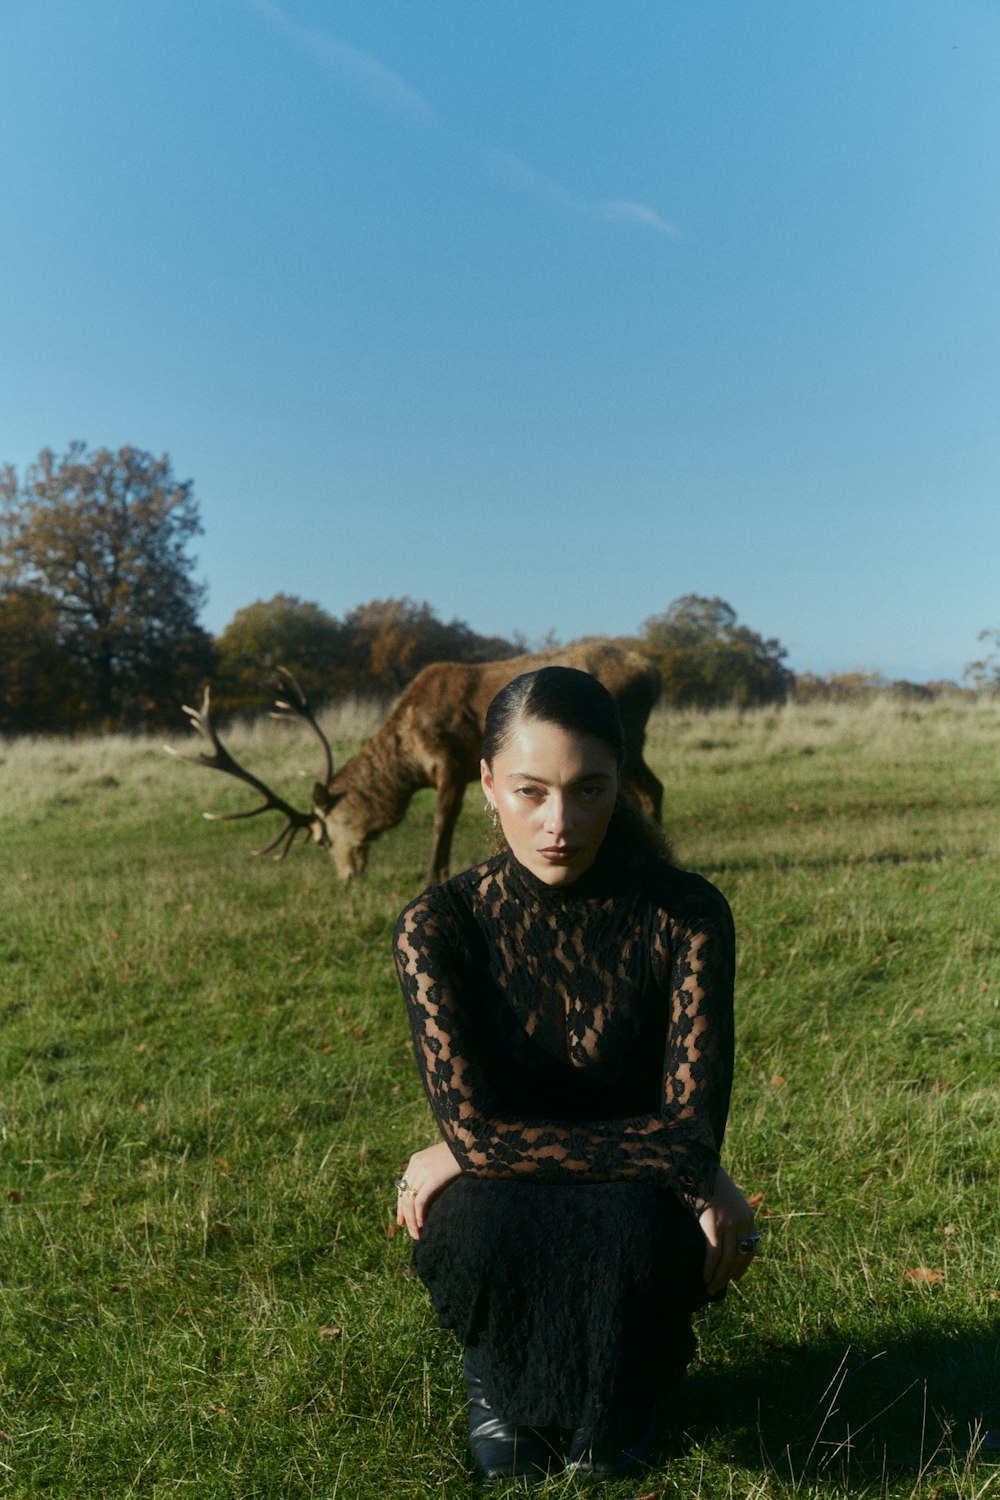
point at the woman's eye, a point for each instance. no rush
(591, 792)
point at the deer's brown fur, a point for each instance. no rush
(432, 738)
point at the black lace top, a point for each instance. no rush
(575, 1033)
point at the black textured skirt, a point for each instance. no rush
(574, 1301)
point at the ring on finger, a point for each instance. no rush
(748, 1243)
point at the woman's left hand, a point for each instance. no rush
(726, 1221)
(427, 1172)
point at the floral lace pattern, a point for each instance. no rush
(579, 1033)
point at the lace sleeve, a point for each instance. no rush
(677, 1145)
(696, 955)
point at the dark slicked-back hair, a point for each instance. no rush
(573, 700)
(579, 704)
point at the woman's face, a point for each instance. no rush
(555, 792)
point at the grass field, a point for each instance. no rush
(207, 1089)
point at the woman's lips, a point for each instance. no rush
(558, 856)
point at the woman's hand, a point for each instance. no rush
(727, 1220)
(427, 1172)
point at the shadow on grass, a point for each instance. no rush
(850, 1413)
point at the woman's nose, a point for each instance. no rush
(556, 815)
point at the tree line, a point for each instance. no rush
(99, 617)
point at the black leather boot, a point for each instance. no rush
(604, 1458)
(501, 1450)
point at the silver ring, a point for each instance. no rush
(747, 1243)
(401, 1184)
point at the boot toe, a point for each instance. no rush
(604, 1458)
(502, 1450)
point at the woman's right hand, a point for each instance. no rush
(726, 1221)
(427, 1172)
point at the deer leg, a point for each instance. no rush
(648, 787)
(450, 793)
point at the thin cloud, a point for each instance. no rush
(359, 69)
(621, 211)
(389, 91)
(518, 174)
(612, 210)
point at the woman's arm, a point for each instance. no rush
(676, 1145)
(695, 954)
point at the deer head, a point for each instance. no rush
(315, 825)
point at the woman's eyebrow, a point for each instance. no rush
(543, 781)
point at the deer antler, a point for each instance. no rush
(221, 760)
(296, 705)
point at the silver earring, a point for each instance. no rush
(493, 815)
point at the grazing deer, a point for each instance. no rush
(431, 738)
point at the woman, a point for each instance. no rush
(571, 1009)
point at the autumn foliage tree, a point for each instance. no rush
(373, 652)
(93, 555)
(391, 640)
(284, 631)
(705, 658)
(37, 694)
(984, 674)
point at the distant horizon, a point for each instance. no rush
(536, 643)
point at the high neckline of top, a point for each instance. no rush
(593, 882)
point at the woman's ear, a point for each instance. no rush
(486, 777)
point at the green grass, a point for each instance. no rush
(207, 1089)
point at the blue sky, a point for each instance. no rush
(544, 311)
